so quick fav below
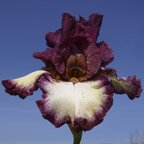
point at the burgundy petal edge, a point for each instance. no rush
(130, 86)
(79, 122)
(13, 89)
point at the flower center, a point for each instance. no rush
(74, 80)
(76, 67)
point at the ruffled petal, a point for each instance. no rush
(105, 53)
(51, 58)
(23, 86)
(45, 56)
(130, 86)
(83, 105)
(93, 60)
(68, 24)
(53, 38)
(75, 37)
(94, 24)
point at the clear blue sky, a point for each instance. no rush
(23, 24)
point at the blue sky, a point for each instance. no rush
(23, 25)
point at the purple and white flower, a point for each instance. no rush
(76, 84)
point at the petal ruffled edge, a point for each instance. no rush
(99, 115)
(68, 24)
(23, 86)
(53, 38)
(93, 25)
(130, 86)
(105, 52)
(51, 110)
(93, 60)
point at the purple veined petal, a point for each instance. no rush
(80, 30)
(46, 55)
(68, 24)
(23, 86)
(105, 53)
(59, 63)
(73, 46)
(83, 105)
(93, 25)
(51, 58)
(130, 86)
(53, 38)
(72, 27)
(93, 60)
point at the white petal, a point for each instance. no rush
(23, 86)
(28, 80)
(68, 100)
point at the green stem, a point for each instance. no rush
(76, 136)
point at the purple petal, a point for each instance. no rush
(68, 24)
(59, 63)
(94, 24)
(93, 61)
(105, 53)
(75, 37)
(83, 105)
(130, 86)
(51, 58)
(53, 39)
(72, 27)
(82, 20)
(23, 86)
(72, 46)
(46, 56)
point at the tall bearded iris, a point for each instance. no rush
(76, 84)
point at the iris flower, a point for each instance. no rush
(77, 86)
